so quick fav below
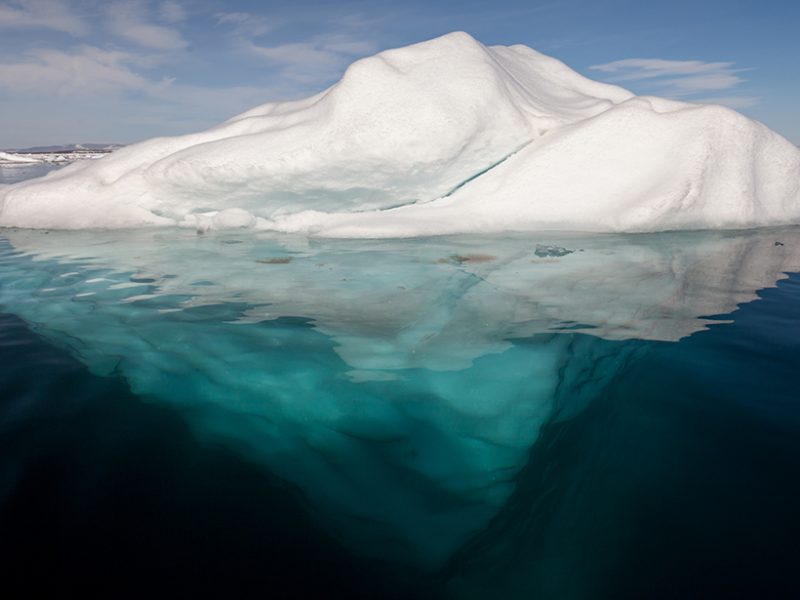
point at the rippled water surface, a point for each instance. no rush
(554, 416)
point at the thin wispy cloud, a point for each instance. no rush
(55, 15)
(680, 79)
(115, 81)
(85, 70)
(631, 69)
(314, 60)
(245, 24)
(132, 21)
(171, 12)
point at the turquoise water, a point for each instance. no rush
(568, 416)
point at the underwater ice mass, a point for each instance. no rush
(445, 136)
(401, 384)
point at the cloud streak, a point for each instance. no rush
(54, 15)
(680, 79)
(90, 74)
(312, 61)
(171, 12)
(245, 24)
(86, 70)
(130, 20)
(647, 68)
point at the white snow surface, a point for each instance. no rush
(445, 136)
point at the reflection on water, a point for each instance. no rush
(401, 385)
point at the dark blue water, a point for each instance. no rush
(452, 418)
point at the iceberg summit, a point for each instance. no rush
(445, 136)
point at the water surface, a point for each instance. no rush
(14, 173)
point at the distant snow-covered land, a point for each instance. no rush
(14, 158)
(69, 148)
(445, 136)
(56, 154)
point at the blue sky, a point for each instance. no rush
(90, 71)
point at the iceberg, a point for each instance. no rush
(445, 136)
(401, 386)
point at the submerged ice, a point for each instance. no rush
(399, 385)
(445, 136)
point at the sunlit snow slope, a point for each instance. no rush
(445, 136)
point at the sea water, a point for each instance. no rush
(554, 415)
(14, 173)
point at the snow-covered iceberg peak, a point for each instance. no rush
(443, 136)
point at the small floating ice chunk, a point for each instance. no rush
(544, 251)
